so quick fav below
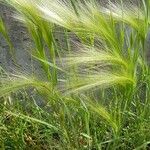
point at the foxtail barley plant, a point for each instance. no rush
(96, 94)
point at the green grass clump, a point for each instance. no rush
(96, 94)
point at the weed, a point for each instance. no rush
(100, 98)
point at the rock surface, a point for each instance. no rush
(22, 43)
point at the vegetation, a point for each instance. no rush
(94, 92)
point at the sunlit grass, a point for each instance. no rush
(96, 94)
